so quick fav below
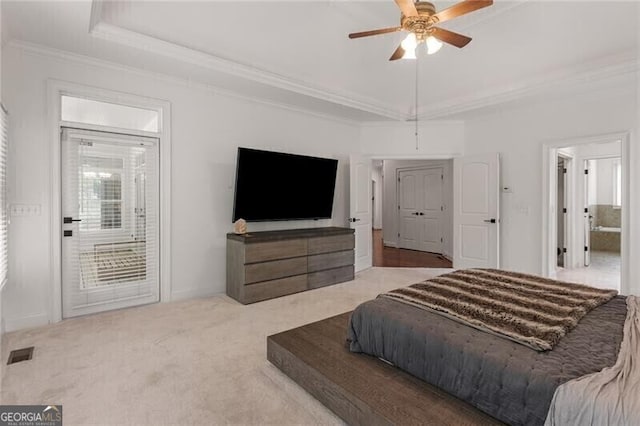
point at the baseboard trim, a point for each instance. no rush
(197, 293)
(390, 244)
(22, 323)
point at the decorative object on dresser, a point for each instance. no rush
(264, 265)
(240, 227)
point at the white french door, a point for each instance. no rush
(420, 209)
(476, 218)
(110, 227)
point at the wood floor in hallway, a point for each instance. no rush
(391, 257)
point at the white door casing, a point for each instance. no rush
(360, 209)
(476, 207)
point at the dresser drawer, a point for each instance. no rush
(330, 244)
(321, 262)
(276, 288)
(260, 252)
(274, 269)
(332, 276)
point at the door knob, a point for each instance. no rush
(421, 214)
(70, 220)
(353, 219)
(490, 220)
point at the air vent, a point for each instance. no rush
(24, 354)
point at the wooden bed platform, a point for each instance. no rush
(361, 389)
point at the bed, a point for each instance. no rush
(505, 379)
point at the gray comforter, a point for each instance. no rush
(611, 396)
(509, 381)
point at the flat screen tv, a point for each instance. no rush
(274, 186)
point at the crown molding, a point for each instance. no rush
(113, 33)
(65, 56)
(410, 124)
(571, 77)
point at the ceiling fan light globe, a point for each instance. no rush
(409, 54)
(409, 43)
(433, 45)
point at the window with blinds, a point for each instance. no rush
(4, 219)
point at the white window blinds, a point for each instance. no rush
(4, 219)
(110, 243)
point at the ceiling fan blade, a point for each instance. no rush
(398, 54)
(455, 39)
(407, 7)
(374, 32)
(462, 8)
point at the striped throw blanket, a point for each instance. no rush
(531, 310)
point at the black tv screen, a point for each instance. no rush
(277, 186)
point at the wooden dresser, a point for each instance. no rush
(264, 265)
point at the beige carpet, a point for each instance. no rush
(194, 362)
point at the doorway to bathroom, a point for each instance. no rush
(586, 213)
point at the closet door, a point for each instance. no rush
(431, 210)
(420, 215)
(410, 201)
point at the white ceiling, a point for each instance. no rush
(297, 52)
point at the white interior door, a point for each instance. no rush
(361, 209)
(420, 209)
(110, 243)
(431, 210)
(409, 209)
(476, 219)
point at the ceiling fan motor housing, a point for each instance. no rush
(422, 24)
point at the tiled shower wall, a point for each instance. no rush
(609, 217)
(606, 215)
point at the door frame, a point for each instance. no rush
(397, 177)
(420, 157)
(58, 88)
(569, 191)
(549, 188)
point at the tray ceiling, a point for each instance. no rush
(298, 54)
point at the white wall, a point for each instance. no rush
(604, 181)
(601, 177)
(395, 140)
(390, 197)
(518, 133)
(206, 130)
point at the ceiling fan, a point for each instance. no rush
(420, 20)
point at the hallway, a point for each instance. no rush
(390, 257)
